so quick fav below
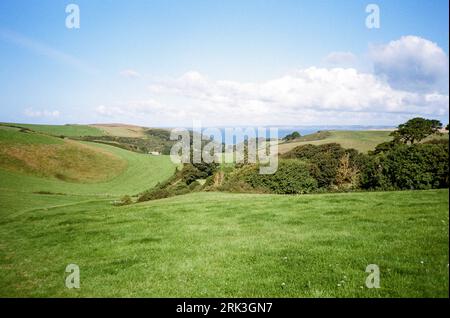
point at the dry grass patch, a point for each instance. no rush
(69, 161)
(121, 130)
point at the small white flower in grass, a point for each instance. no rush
(339, 285)
(421, 262)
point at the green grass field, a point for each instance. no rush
(230, 245)
(62, 130)
(210, 244)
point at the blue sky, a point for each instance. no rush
(251, 62)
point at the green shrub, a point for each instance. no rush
(291, 177)
(155, 194)
(192, 172)
(325, 160)
(194, 186)
(126, 199)
(417, 166)
(179, 188)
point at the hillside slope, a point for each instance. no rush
(32, 162)
(60, 130)
(121, 130)
(44, 156)
(362, 141)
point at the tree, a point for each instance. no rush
(383, 147)
(416, 129)
(324, 160)
(347, 175)
(293, 136)
(417, 166)
(291, 177)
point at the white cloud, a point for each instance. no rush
(312, 95)
(129, 109)
(41, 113)
(412, 63)
(130, 73)
(340, 59)
(404, 84)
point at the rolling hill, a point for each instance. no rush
(36, 162)
(60, 130)
(204, 244)
(121, 130)
(361, 140)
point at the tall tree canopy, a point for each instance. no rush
(416, 129)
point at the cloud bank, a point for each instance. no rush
(407, 81)
(412, 63)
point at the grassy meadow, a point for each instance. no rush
(62, 130)
(227, 245)
(204, 244)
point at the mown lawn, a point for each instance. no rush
(219, 245)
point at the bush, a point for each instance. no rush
(325, 161)
(417, 166)
(292, 177)
(179, 188)
(194, 186)
(192, 172)
(125, 200)
(347, 176)
(189, 174)
(155, 194)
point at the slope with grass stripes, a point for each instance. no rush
(33, 162)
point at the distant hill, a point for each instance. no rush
(361, 140)
(121, 130)
(129, 137)
(60, 130)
